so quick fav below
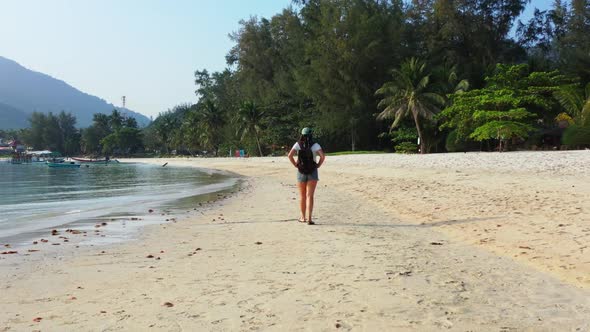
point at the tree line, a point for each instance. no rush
(109, 134)
(370, 74)
(382, 75)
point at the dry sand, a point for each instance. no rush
(460, 242)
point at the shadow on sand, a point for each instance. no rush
(376, 225)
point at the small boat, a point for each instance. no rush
(66, 164)
(95, 161)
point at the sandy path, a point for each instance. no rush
(368, 265)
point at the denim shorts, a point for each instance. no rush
(308, 177)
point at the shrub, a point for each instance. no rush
(576, 136)
(406, 147)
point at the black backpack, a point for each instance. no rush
(305, 161)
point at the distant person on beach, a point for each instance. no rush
(307, 171)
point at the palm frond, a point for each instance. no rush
(570, 99)
(434, 98)
(423, 83)
(400, 114)
(462, 86)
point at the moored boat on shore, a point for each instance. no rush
(95, 161)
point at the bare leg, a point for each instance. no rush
(302, 199)
(310, 191)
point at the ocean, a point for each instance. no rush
(35, 198)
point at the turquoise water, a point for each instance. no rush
(35, 197)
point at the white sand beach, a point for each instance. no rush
(458, 242)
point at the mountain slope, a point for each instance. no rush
(31, 91)
(11, 117)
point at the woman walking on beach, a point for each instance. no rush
(307, 171)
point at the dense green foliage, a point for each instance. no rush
(513, 100)
(378, 75)
(365, 72)
(112, 134)
(410, 93)
(577, 136)
(53, 132)
(576, 101)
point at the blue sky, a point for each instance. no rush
(146, 50)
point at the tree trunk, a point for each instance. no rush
(258, 143)
(422, 144)
(353, 143)
(352, 135)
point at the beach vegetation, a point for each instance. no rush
(577, 136)
(53, 132)
(410, 93)
(576, 101)
(371, 75)
(248, 121)
(407, 148)
(514, 102)
(112, 133)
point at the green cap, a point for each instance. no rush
(306, 131)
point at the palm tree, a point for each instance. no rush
(448, 81)
(189, 130)
(165, 127)
(410, 92)
(211, 122)
(249, 119)
(576, 102)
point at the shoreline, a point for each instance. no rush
(403, 248)
(105, 231)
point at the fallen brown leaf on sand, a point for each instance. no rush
(8, 252)
(33, 250)
(436, 243)
(7, 245)
(168, 304)
(37, 319)
(258, 243)
(44, 241)
(149, 256)
(525, 247)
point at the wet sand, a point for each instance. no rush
(482, 242)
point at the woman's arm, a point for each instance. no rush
(322, 157)
(292, 157)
